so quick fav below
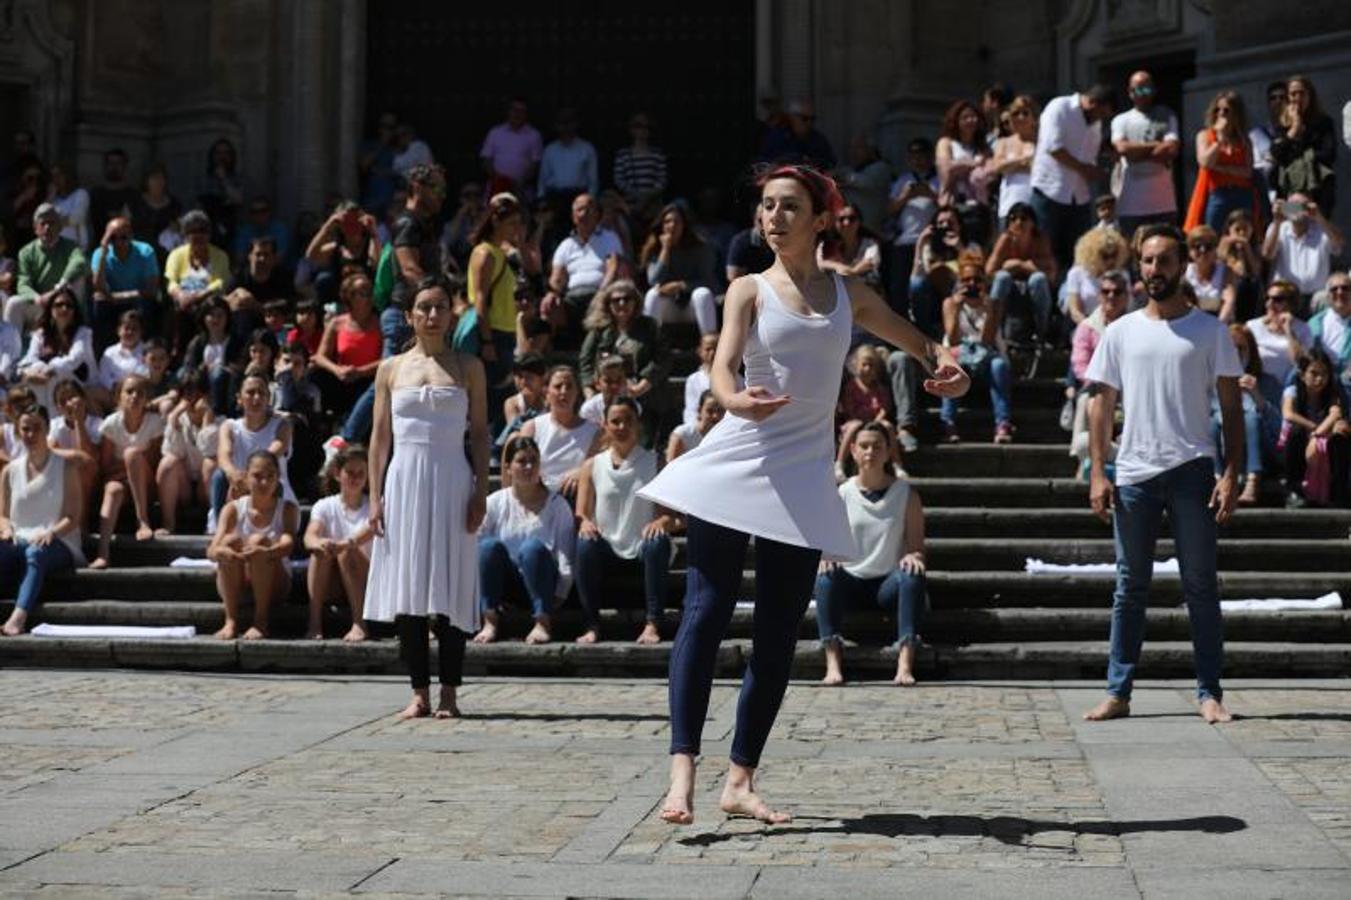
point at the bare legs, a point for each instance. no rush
(139, 471)
(343, 573)
(270, 581)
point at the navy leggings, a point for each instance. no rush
(784, 577)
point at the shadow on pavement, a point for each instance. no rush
(1005, 829)
(566, 717)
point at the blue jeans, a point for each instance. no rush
(783, 587)
(899, 592)
(999, 374)
(395, 331)
(1063, 223)
(221, 385)
(595, 557)
(532, 566)
(1222, 201)
(1038, 292)
(926, 307)
(29, 564)
(1260, 430)
(219, 490)
(1184, 493)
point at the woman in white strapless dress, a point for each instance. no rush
(767, 470)
(425, 501)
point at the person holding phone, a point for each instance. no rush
(1300, 244)
(348, 242)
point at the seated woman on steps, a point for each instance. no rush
(685, 438)
(128, 454)
(338, 539)
(253, 539)
(527, 539)
(75, 434)
(618, 527)
(887, 519)
(563, 439)
(188, 453)
(40, 507)
(257, 428)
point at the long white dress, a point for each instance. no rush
(427, 562)
(775, 478)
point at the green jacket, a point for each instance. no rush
(41, 269)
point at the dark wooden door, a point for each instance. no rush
(448, 68)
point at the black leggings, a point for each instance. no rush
(414, 647)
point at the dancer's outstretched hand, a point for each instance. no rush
(756, 403)
(949, 379)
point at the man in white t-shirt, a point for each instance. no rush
(1065, 169)
(1163, 362)
(1146, 137)
(1300, 244)
(584, 262)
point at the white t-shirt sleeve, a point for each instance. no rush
(562, 253)
(1053, 122)
(1173, 134)
(1119, 127)
(1105, 366)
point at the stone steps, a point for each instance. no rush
(1034, 659)
(1080, 522)
(941, 626)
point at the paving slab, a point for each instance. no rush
(185, 784)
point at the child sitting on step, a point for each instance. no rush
(128, 455)
(338, 539)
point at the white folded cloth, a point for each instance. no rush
(173, 632)
(1276, 604)
(1039, 567)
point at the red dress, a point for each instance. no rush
(863, 403)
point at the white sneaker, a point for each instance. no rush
(331, 448)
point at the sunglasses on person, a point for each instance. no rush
(63, 304)
(1279, 298)
(1110, 291)
(623, 300)
(1202, 248)
(1339, 288)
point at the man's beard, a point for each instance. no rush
(1160, 288)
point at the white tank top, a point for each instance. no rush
(245, 527)
(878, 527)
(561, 449)
(246, 443)
(1209, 293)
(35, 504)
(620, 512)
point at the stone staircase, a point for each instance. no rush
(988, 509)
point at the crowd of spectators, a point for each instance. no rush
(189, 350)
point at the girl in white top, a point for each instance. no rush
(188, 453)
(685, 438)
(564, 438)
(60, 347)
(887, 520)
(527, 536)
(339, 541)
(1208, 276)
(617, 524)
(767, 470)
(40, 504)
(257, 428)
(253, 538)
(1013, 155)
(128, 454)
(611, 383)
(127, 356)
(17, 399)
(697, 383)
(76, 434)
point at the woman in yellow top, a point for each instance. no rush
(492, 287)
(195, 271)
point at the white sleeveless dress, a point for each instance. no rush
(427, 562)
(775, 478)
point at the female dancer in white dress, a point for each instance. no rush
(766, 470)
(425, 502)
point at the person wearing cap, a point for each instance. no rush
(46, 264)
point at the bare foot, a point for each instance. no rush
(163, 532)
(834, 664)
(590, 636)
(487, 634)
(649, 635)
(228, 632)
(538, 635)
(355, 634)
(446, 708)
(99, 563)
(255, 634)
(418, 708)
(1213, 711)
(1111, 708)
(744, 801)
(17, 624)
(144, 532)
(314, 634)
(678, 807)
(834, 677)
(905, 665)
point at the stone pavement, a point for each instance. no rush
(136, 784)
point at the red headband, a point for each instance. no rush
(821, 187)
